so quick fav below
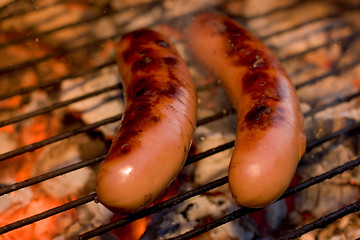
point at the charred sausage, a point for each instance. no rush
(270, 139)
(157, 127)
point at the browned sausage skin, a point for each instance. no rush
(154, 138)
(270, 139)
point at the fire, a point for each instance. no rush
(29, 201)
(43, 229)
(136, 229)
(131, 231)
(34, 130)
(33, 202)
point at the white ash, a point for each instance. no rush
(8, 142)
(64, 153)
(347, 227)
(175, 8)
(331, 89)
(74, 184)
(92, 215)
(308, 36)
(60, 16)
(325, 198)
(17, 200)
(316, 127)
(104, 28)
(89, 216)
(212, 101)
(45, 19)
(340, 190)
(191, 213)
(280, 20)
(143, 18)
(38, 99)
(254, 7)
(59, 155)
(215, 166)
(96, 108)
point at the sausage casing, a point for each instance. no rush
(157, 127)
(270, 139)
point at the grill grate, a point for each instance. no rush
(336, 70)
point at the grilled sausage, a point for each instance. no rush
(157, 127)
(270, 139)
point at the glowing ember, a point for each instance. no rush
(44, 229)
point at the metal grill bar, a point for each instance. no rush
(22, 12)
(55, 81)
(98, 42)
(306, 184)
(333, 103)
(217, 116)
(333, 72)
(276, 10)
(147, 5)
(37, 145)
(57, 105)
(232, 216)
(350, 130)
(156, 208)
(346, 39)
(50, 175)
(190, 160)
(323, 221)
(300, 25)
(47, 213)
(173, 201)
(35, 61)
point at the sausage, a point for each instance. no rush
(270, 137)
(153, 140)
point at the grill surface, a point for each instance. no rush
(347, 42)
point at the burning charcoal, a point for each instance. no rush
(309, 36)
(99, 107)
(90, 215)
(140, 17)
(254, 7)
(18, 200)
(317, 42)
(175, 8)
(332, 88)
(60, 155)
(7, 142)
(192, 213)
(59, 16)
(330, 195)
(280, 20)
(215, 166)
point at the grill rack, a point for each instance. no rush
(191, 159)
